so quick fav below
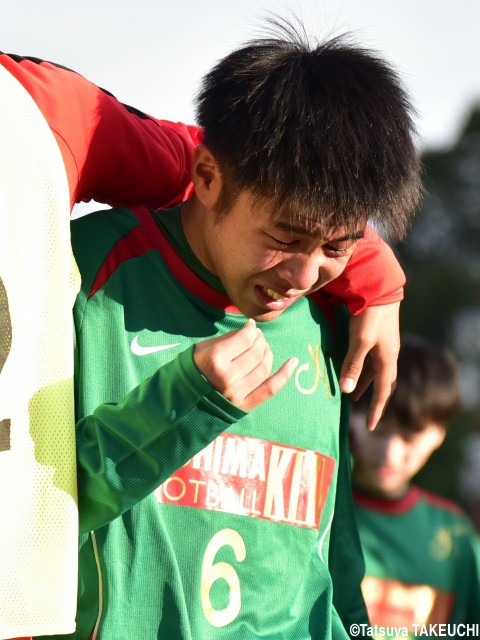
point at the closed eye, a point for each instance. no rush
(332, 250)
(336, 251)
(281, 243)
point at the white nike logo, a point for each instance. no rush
(138, 350)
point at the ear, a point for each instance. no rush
(206, 176)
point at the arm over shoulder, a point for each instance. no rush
(112, 153)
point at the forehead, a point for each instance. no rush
(314, 229)
(297, 219)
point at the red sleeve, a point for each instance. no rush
(372, 277)
(112, 153)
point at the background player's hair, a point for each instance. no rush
(428, 386)
(326, 130)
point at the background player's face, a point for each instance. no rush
(266, 263)
(385, 460)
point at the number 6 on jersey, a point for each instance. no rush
(213, 571)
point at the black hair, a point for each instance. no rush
(428, 386)
(326, 130)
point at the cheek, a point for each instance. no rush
(261, 259)
(418, 459)
(339, 266)
(332, 269)
(363, 451)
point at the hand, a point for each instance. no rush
(239, 364)
(374, 333)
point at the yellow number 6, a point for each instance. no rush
(211, 572)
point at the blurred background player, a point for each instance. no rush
(421, 552)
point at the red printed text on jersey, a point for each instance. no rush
(256, 478)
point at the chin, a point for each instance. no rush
(266, 316)
(258, 314)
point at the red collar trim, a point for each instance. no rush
(440, 501)
(389, 506)
(147, 237)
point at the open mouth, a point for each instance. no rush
(272, 300)
(273, 294)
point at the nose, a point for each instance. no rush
(303, 271)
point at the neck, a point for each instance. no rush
(380, 494)
(193, 216)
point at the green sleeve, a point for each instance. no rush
(471, 574)
(347, 566)
(126, 450)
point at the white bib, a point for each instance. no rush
(39, 281)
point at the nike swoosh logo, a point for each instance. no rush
(138, 350)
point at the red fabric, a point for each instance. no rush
(412, 497)
(120, 156)
(372, 277)
(389, 506)
(112, 154)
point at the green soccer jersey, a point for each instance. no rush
(200, 521)
(422, 563)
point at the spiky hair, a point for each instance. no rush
(325, 129)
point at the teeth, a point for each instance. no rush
(273, 294)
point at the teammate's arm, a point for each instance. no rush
(112, 153)
(372, 288)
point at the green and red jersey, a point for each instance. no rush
(208, 522)
(422, 559)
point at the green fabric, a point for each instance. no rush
(422, 561)
(347, 598)
(171, 225)
(235, 544)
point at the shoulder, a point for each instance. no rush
(108, 222)
(447, 517)
(417, 499)
(104, 239)
(440, 503)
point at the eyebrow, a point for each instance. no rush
(292, 228)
